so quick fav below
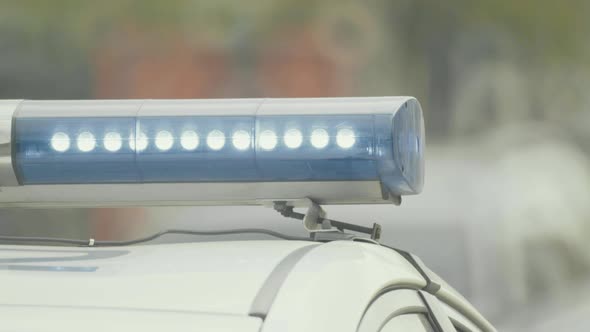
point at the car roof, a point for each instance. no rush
(218, 277)
(269, 280)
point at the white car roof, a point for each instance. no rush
(217, 277)
(245, 281)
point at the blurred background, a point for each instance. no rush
(505, 214)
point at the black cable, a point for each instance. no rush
(43, 239)
(92, 242)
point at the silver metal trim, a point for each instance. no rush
(332, 106)
(170, 194)
(212, 107)
(7, 175)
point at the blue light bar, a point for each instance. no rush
(194, 141)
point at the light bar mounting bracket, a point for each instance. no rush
(316, 223)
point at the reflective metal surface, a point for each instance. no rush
(7, 176)
(170, 194)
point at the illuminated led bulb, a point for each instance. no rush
(86, 141)
(216, 140)
(189, 140)
(293, 138)
(345, 138)
(132, 142)
(241, 140)
(60, 142)
(140, 143)
(113, 141)
(319, 138)
(164, 140)
(268, 140)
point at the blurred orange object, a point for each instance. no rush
(134, 65)
(117, 224)
(294, 64)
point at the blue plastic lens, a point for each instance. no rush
(75, 150)
(233, 148)
(308, 148)
(213, 149)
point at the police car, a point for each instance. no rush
(292, 155)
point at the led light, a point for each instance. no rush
(141, 142)
(132, 142)
(216, 140)
(293, 138)
(345, 138)
(319, 138)
(60, 142)
(241, 140)
(86, 141)
(189, 140)
(164, 140)
(113, 141)
(268, 140)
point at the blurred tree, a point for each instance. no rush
(543, 31)
(381, 47)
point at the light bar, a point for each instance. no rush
(137, 145)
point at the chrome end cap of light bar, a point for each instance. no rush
(7, 175)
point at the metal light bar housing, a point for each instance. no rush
(210, 152)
